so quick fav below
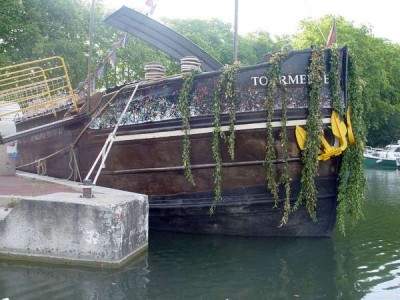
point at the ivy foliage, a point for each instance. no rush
(334, 79)
(225, 91)
(231, 98)
(308, 190)
(274, 83)
(184, 98)
(273, 80)
(285, 178)
(352, 181)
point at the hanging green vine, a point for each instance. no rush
(216, 148)
(273, 76)
(285, 178)
(231, 97)
(308, 189)
(352, 181)
(334, 78)
(225, 91)
(184, 97)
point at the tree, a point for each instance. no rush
(11, 19)
(216, 38)
(40, 29)
(213, 36)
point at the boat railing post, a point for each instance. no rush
(87, 189)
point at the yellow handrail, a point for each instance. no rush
(36, 86)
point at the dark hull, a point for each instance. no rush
(245, 212)
(154, 167)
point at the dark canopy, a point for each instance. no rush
(160, 36)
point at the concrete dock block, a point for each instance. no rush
(107, 230)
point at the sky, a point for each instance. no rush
(278, 16)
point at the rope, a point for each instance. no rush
(74, 167)
(41, 167)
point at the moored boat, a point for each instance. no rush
(383, 157)
(147, 153)
(218, 152)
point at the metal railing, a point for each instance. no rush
(34, 88)
(102, 156)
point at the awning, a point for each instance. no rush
(160, 36)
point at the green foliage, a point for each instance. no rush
(334, 78)
(352, 181)
(33, 29)
(274, 71)
(273, 83)
(231, 98)
(216, 38)
(224, 92)
(47, 28)
(285, 178)
(11, 18)
(130, 60)
(215, 146)
(254, 46)
(37, 29)
(389, 128)
(184, 98)
(308, 189)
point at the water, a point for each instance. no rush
(363, 265)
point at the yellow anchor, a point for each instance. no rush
(339, 130)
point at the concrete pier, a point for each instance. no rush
(62, 227)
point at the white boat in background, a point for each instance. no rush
(386, 157)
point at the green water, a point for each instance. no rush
(363, 265)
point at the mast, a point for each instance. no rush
(90, 49)
(235, 36)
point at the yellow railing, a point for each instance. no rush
(34, 88)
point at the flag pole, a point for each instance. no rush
(332, 37)
(235, 36)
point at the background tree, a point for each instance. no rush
(213, 36)
(10, 21)
(216, 38)
(39, 29)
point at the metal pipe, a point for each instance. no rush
(235, 37)
(90, 48)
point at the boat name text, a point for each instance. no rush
(299, 79)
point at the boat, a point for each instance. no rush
(139, 135)
(389, 156)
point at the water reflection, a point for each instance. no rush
(363, 265)
(22, 281)
(370, 251)
(203, 267)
